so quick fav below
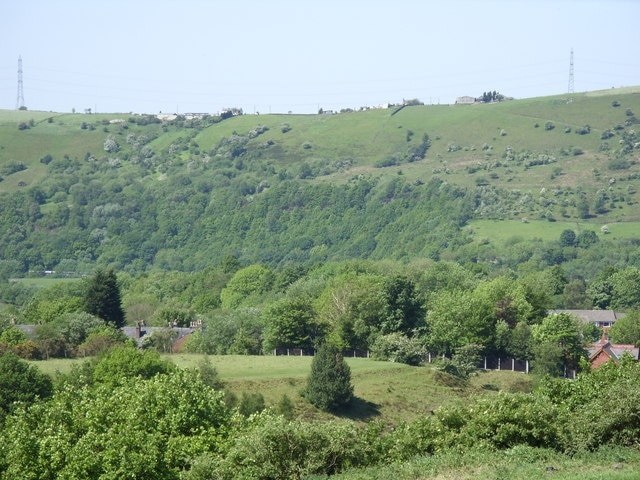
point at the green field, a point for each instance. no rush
(501, 232)
(391, 392)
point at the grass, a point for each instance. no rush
(391, 392)
(502, 232)
(43, 282)
(519, 463)
(464, 138)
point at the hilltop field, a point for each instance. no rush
(140, 193)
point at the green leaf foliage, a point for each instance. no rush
(626, 329)
(290, 323)
(120, 364)
(275, 448)
(20, 382)
(102, 297)
(329, 384)
(150, 428)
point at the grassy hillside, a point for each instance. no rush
(386, 391)
(458, 133)
(131, 191)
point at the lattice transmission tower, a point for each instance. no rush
(571, 87)
(20, 100)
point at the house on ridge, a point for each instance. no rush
(465, 100)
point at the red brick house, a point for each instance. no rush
(605, 351)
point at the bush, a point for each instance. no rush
(612, 388)
(123, 363)
(20, 382)
(144, 429)
(251, 403)
(396, 347)
(329, 384)
(209, 374)
(274, 448)
(505, 421)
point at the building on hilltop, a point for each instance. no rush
(465, 100)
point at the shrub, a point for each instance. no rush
(285, 407)
(251, 403)
(505, 421)
(209, 374)
(273, 447)
(463, 363)
(396, 347)
(123, 363)
(329, 385)
(145, 429)
(612, 388)
(606, 134)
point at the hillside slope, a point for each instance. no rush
(135, 192)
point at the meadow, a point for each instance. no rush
(386, 391)
(501, 232)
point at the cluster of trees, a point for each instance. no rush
(491, 96)
(402, 315)
(78, 318)
(398, 312)
(130, 414)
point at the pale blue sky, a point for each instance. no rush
(286, 55)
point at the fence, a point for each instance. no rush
(486, 363)
(301, 352)
(492, 363)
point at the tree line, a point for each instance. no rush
(398, 312)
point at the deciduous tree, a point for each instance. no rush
(627, 329)
(20, 382)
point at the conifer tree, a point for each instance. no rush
(329, 383)
(102, 297)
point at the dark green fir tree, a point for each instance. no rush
(102, 297)
(329, 384)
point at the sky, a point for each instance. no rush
(278, 56)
